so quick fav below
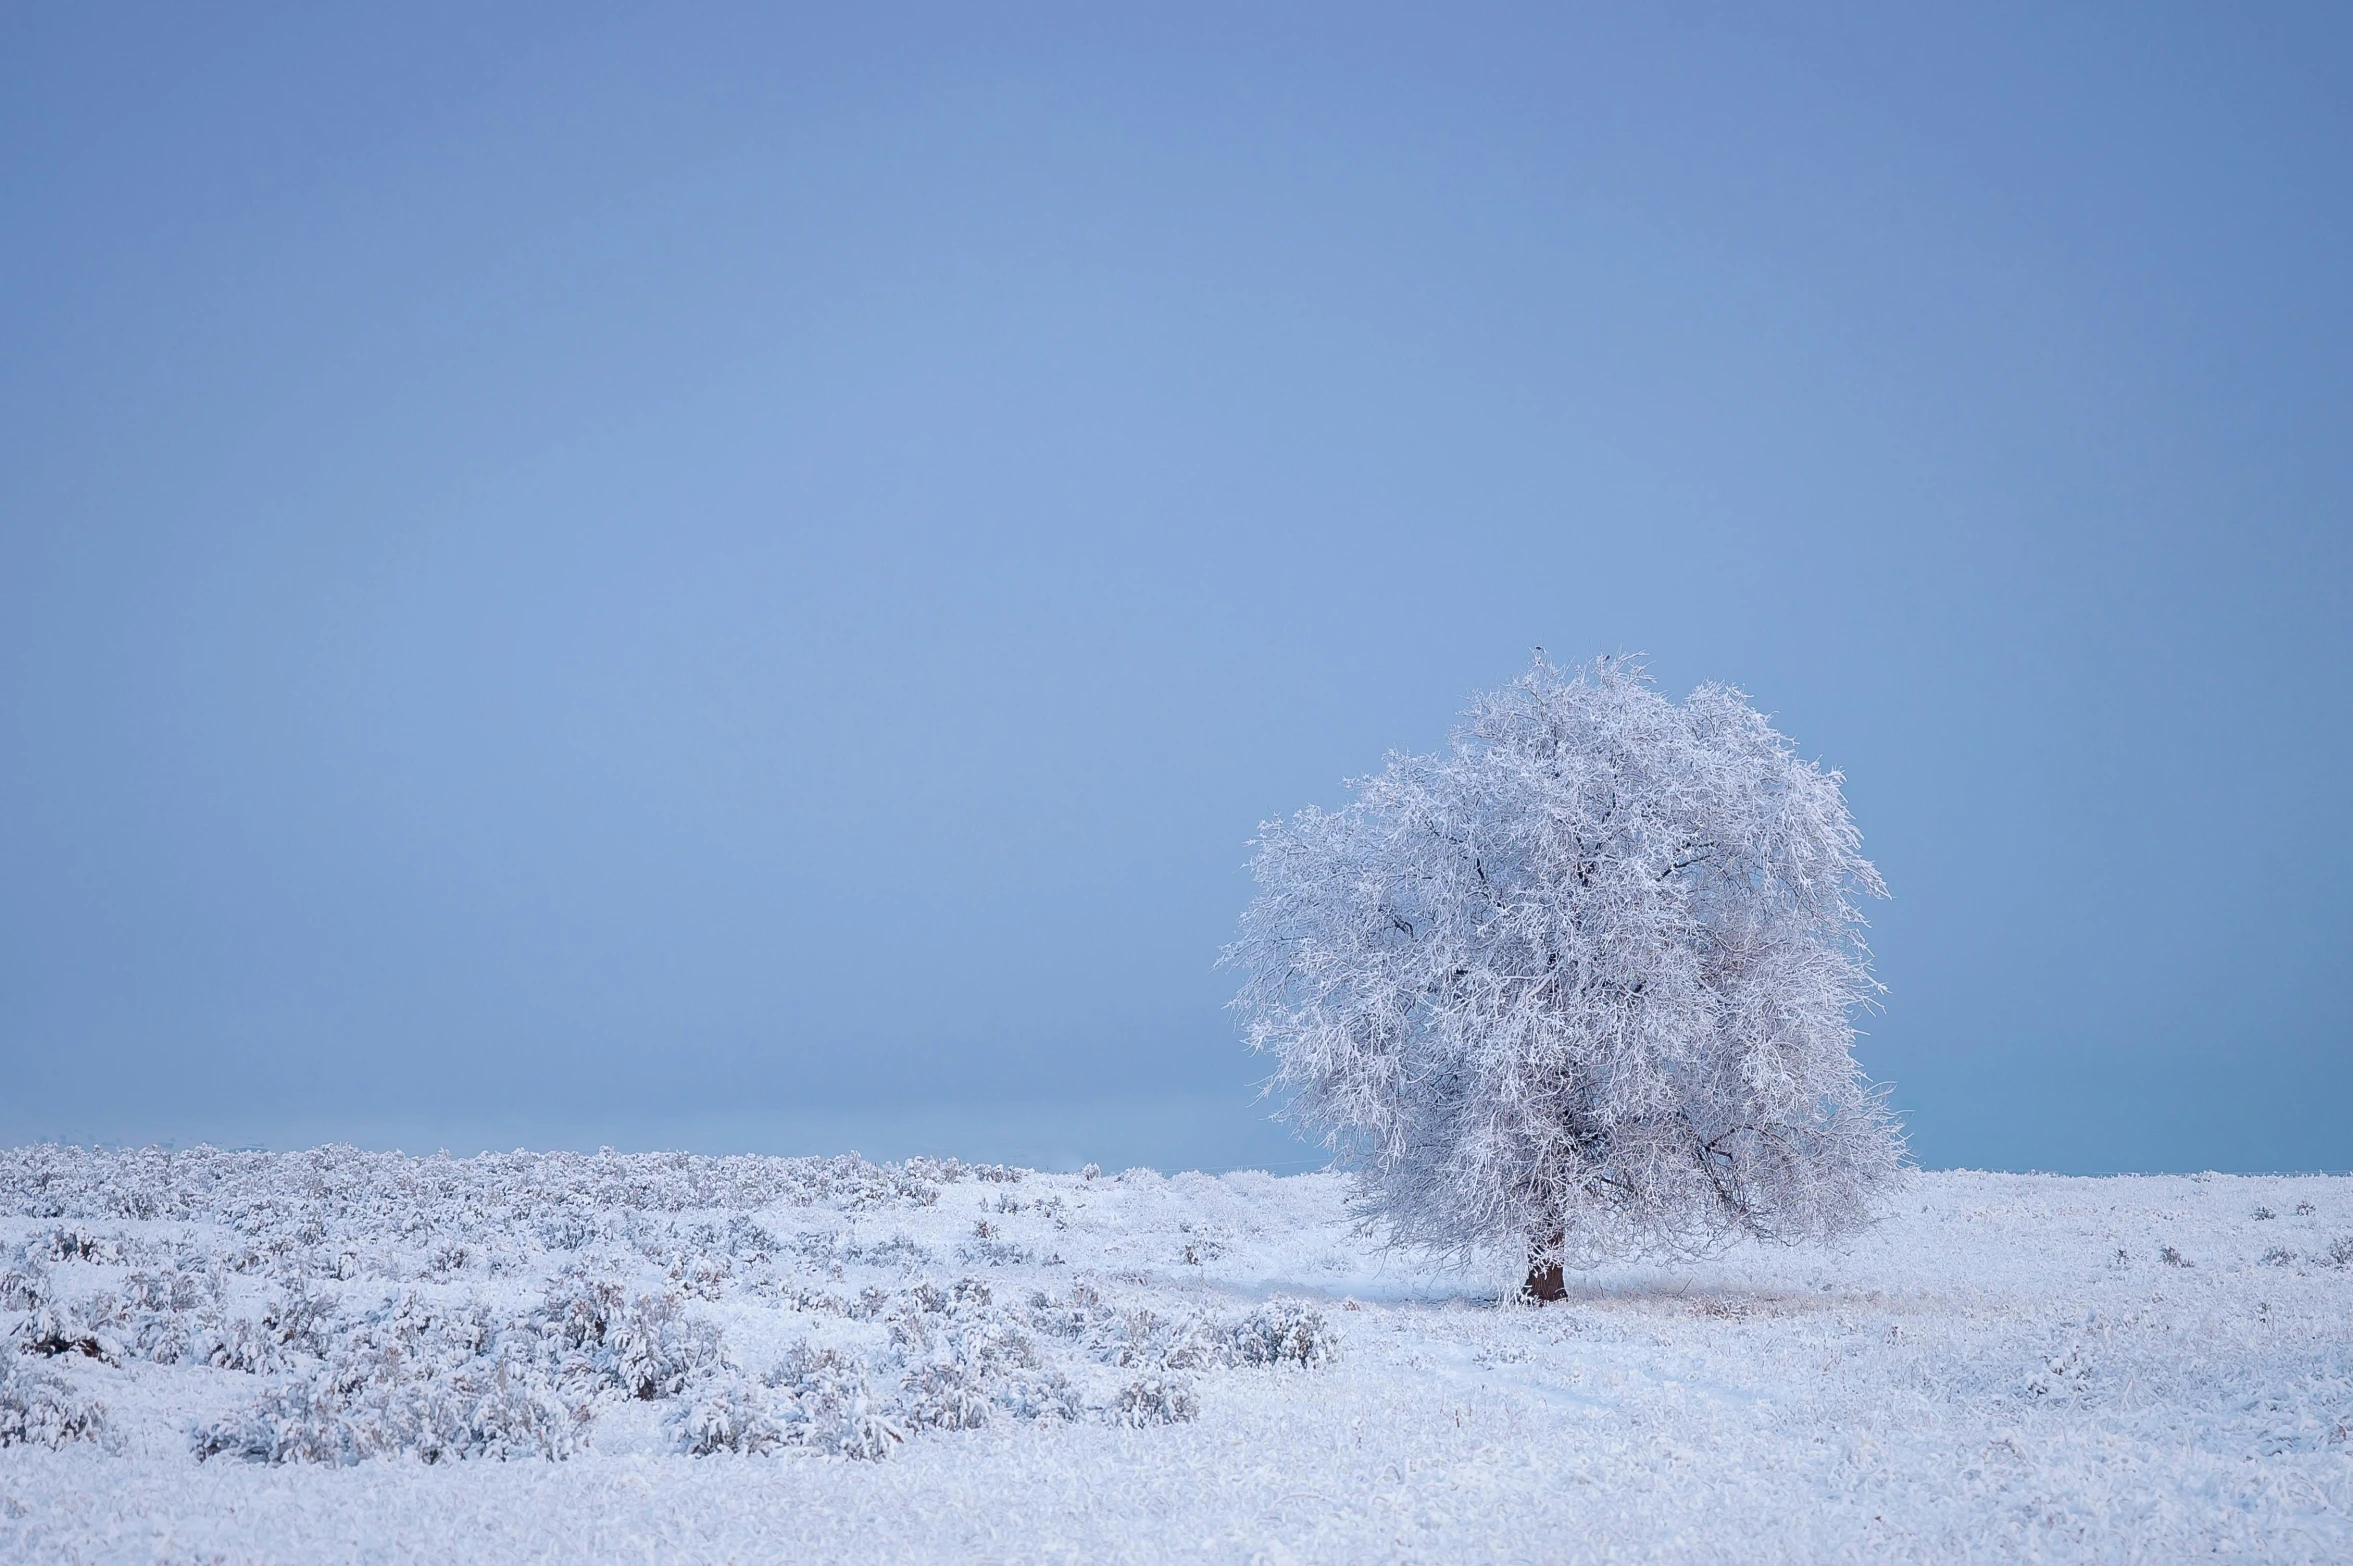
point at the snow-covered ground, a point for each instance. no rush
(250, 1357)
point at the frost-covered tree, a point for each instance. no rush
(1584, 983)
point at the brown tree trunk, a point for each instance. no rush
(1544, 1278)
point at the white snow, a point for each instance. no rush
(2007, 1367)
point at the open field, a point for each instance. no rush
(349, 1356)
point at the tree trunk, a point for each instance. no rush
(1544, 1277)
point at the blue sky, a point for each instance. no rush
(740, 579)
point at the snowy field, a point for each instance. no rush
(343, 1356)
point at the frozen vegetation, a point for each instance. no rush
(1581, 986)
(339, 1355)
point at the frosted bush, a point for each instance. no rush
(24, 1286)
(433, 1420)
(967, 1299)
(569, 1233)
(443, 1381)
(864, 1433)
(169, 1315)
(414, 1376)
(172, 1288)
(68, 1245)
(54, 1329)
(656, 1349)
(238, 1343)
(1145, 1337)
(726, 1417)
(817, 1399)
(1069, 1314)
(987, 1249)
(1155, 1400)
(187, 1326)
(408, 1337)
(1036, 1393)
(577, 1312)
(1280, 1331)
(951, 1394)
(1284, 1332)
(647, 1347)
(1583, 985)
(968, 1359)
(827, 1405)
(302, 1321)
(896, 1251)
(38, 1408)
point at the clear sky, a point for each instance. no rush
(674, 576)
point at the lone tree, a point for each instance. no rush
(1584, 984)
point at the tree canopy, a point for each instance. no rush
(1584, 982)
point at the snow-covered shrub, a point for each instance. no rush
(2066, 1372)
(1144, 1337)
(577, 1311)
(705, 1278)
(826, 1404)
(1278, 1332)
(1066, 1315)
(1199, 1249)
(1038, 1392)
(68, 1329)
(176, 1318)
(469, 1416)
(726, 1417)
(238, 1343)
(967, 1359)
(505, 1419)
(821, 1399)
(987, 1248)
(68, 1245)
(947, 1394)
(302, 1321)
(410, 1337)
(1284, 1332)
(1584, 984)
(656, 1348)
(169, 1291)
(413, 1376)
(571, 1232)
(1155, 1400)
(647, 1347)
(24, 1286)
(38, 1408)
(897, 1251)
(167, 1316)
